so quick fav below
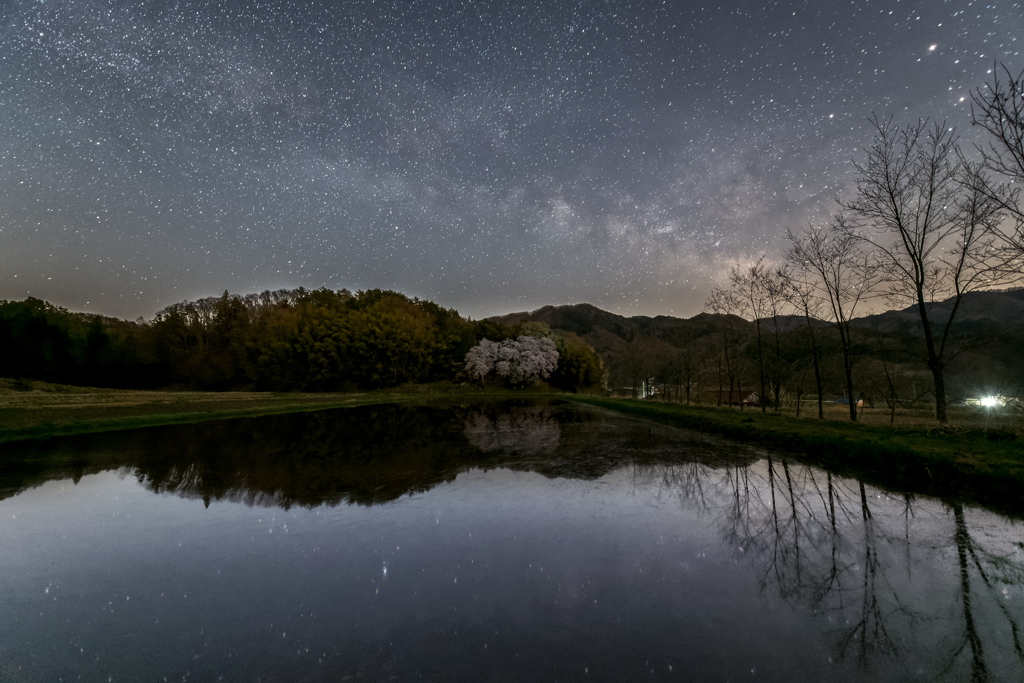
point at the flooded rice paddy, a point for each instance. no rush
(502, 542)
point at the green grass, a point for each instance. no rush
(41, 410)
(62, 426)
(985, 467)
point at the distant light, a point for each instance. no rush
(989, 401)
(931, 48)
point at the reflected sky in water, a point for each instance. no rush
(500, 542)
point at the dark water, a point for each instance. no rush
(503, 542)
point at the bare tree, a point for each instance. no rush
(749, 294)
(776, 293)
(724, 303)
(832, 264)
(678, 374)
(998, 108)
(688, 373)
(885, 371)
(806, 299)
(643, 361)
(933, 231)
(759, 291)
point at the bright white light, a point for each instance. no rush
(989, 401)
(931, 48)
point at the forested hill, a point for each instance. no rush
(287, 340)
(989, 334)
(999, 308)
(322, 340)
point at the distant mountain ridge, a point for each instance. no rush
(1005, 306)
(997, 306)
(615, 336)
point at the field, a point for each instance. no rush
(962, 417)
(34, 410)
(31, 409)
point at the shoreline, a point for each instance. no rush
(967, 464)
(964, 464)
(70, 411)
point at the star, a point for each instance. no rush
(490, 158)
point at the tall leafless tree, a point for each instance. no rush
(998, 108)
(748, 292)
(759, 291)
(934, 232)
(831, 262)
(806, 299)
(724, 303)
(776, 292)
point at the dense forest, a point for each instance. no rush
(286, 340)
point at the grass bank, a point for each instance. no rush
(39, 410)
(983, 466)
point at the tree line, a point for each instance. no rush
(925, 224)
(285, 340)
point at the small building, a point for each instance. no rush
(647, 388)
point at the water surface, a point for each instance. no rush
(494, 542)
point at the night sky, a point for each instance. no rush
(490, 156)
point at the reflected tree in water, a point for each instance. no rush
(991, 570)
(851, 554)
(827, 544)
(528, 430)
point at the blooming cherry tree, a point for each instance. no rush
(517, 361)
(481, 358)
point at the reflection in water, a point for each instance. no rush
(598, 560)
(992, 572)
(866, 561)
(365, 456)
(530, 430)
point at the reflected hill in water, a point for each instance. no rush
(365, 456)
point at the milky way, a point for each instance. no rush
(490, 156)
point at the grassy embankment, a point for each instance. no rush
(38, 410)
(969, 461)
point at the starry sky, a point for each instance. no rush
(490, 156)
